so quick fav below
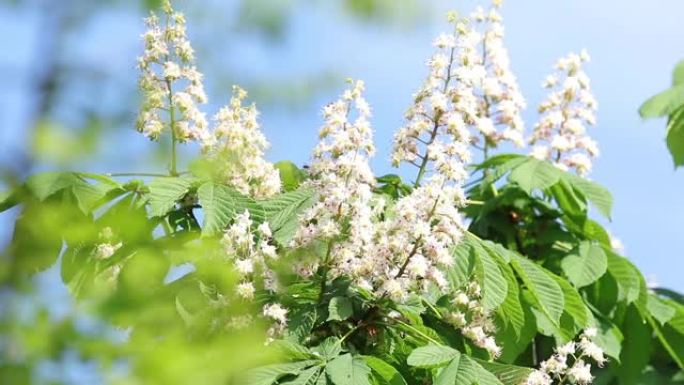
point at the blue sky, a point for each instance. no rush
(634, 45)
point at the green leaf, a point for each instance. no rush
(609, 338)
(585, 264)
(384, 371)
(547, 293)
(329, 348)
(675, 136)
(463, 370)
(307, 377)
(534, 174)
(44, 185)
(8, 199)
(87, 195)
(574, 304)
(301, 323)
(678, 73)
(598, 195)
(625, 274)
(282, 212)
(165, 192)
(348, 370)
(659, 309)
(339, 309)
(290, 175)
(511, 308)
(637, 347)
(507, 374)
(220, 204)
(431, 356)
(488, 274)
(663, 103)
(269, 374)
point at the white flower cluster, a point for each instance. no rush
(565, 114)
(472, 319)
(343, 181)
(559, 367)
(249, 258)
(469, 85)
(412, 247)
(170, 82)
(107, 246)
(240, 144)
(277, 313)
(172, 91)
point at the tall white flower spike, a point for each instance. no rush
(560, 135)
(172, 86)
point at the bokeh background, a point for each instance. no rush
(68, 90)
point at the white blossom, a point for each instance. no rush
(171, 85)
(565, 114)
(239, 146)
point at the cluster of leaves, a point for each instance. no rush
(670, 104)
(546, 269)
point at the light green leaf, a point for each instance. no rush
(220, 204)
(609, 338)
(339, 309)
(431, 356)
(488, 274)
(598, 195)
(8, 199)
(282, 212)
(534, 174)
(659, 309)
(165, 192)
(546, 292)
(348, 370)
(585, 264)
(511, 308)
(269, 374)
(463, 370)
(625, 274)
(675, 136)
(574, 304)
(384, 372)
(307, 377)
(329, 348)
(290, 175)
(507, 374)
(663, 103)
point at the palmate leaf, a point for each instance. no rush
(625, 274)
(269, 374)
(670, 103)
(659, 309)
(507, 374)
(307, 377)
(585, 264)
(282, 212)
(221, 203)
(348, 370)
(88, 196)
(339, 309)
(531, 175)
(463, 370)
(431, 356)
(165, 192)
(547, 293)
(290, 175)
(383, 372)
(534, 174)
